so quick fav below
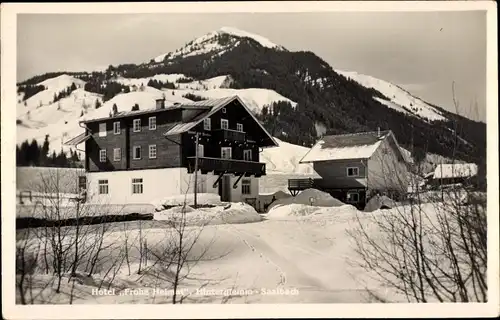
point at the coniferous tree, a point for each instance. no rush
(44, 153)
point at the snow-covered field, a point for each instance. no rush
(299, 255)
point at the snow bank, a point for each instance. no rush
(321, 199)
(379, 202)
(202, 199)
(233, 213)
(296, 210)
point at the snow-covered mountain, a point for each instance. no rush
(229, 62)
(216, 42)
(399, 99)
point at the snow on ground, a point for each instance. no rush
(319, 198)
(400, 100)
(298, 256)
(299, 210)
(230, 213)
(202, 199)
(285, 159)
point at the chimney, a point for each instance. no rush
(160, 103)
(378, 132)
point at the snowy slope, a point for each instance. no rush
(58, 120)
(209, 43)
(400, 100)
(46, 97)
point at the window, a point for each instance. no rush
(353, 197)
(152, 151)
(137, 125)
(223, 110)
(137, 152)
(116, 127)
(102, 129)
(225, 152)
(246, 186)
(103, 187)
(137, 186)
(102, 155)
(224, 124)
(117, 154)
(207, 124)
(152, 123)
(239, 127)
(247, 155)
(352, 171)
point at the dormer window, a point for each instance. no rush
(239, 127)
(224, 124)
(137, 125)
(353, 172)
(207, 124)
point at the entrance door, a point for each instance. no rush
(225, 188)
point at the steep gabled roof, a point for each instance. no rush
(213, 106)
(348, 146)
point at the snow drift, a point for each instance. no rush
(230, 214)
(320, 199)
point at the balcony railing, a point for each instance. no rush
(228, 134)
(219, 165)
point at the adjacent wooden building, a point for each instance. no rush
(355, 166)
(140, 156)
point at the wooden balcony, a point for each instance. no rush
(297, 185)
(219, 165)
(230, 135)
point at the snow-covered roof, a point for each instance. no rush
(455, 170)
(346, 146)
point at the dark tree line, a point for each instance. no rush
(160, 84)
(108, 89)
(194, 97)
(30, 90)
(34, 154)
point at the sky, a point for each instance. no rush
(423, 52)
